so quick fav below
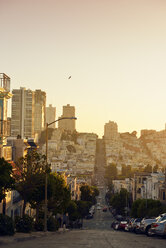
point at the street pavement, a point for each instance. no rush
(90, 239)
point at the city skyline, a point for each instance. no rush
(114, 52)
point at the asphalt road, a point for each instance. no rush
(94, 238)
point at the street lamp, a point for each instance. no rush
(47, 125)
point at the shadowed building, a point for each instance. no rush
(69, 125)
(51, 115)
(39, 111)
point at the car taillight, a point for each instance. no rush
(155, 225)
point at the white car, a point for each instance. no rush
(98, 208)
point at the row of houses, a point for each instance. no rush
(144, 186)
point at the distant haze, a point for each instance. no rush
(114, 51)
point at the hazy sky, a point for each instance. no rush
(115, 51)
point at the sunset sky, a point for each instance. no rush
(115, 51)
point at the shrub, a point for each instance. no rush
(6, 225)
(24, 224)
(39, 225)
(52, 224)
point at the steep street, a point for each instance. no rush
(96, 232)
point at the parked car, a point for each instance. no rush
(158, 228)
(89, 216)
(129, 225)
(119, 217)
(146, 223)
(115, 225)
(122, 225)
(105, 209)
(135, 225)
(155, 224)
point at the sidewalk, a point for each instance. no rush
(19, 237)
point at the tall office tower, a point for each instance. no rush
(22, 121)
(51, 115)
(111, 130)
(68, 111)
(5, 94)
(39, 111)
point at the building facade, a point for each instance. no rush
(22, 121)
(39, 111)
(5, 95)
(68, 125)
(111, 130)
(51, 115)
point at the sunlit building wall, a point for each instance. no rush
(5, 95)
(69, 125)
(22, 121)
(111, 130)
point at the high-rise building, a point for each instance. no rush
(68, 111)
(22, 121)
(111, 130)
(51, 115)
(5, 95)
(39, 111)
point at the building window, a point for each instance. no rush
(139, 190)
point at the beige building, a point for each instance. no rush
(69, 125)
(22, 121)
(28, 112)
(139, 185)
(5, 95)
(111, 130)
(39, 111)
(51, 115)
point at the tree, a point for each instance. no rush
(147, 207)
(29, 173)
(119, 201)
(111, 172)
(6, 180)
(83, 208)
(60, 194)
(89, 193)
(72, 210)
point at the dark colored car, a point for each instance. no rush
(89, 216)
(105, 209)
(115, 225)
